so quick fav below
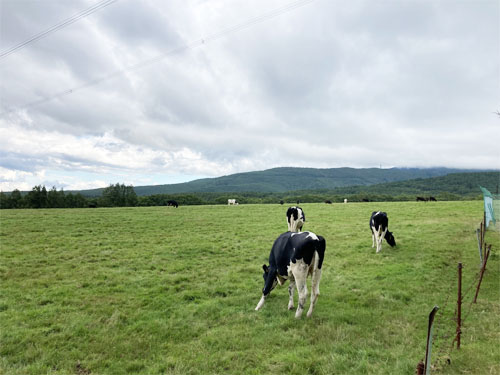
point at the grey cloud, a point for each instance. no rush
(20, 162)
(141, 24)
(322, 85)
(22, 20)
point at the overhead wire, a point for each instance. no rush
(199, 42)
(100, 5)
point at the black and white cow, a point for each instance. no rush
(172, 203)
(379, 225)
(294, 256)
(295, 218)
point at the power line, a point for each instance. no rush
(218, 35)
(58, 26)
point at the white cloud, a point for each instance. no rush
(327, 84)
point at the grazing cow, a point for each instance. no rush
(345, 200)
(365, 200)
(172, 203)
(281, 202)
(379, 225)
(422, 199)
(295, 218)
(232, 202)
(432, 199)
(294, 256)
(328, 202)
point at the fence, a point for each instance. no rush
(445, 336)
(491, 209)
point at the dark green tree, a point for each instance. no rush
(119, 195)
(37, 197)
(55, 199)
(5, 201)
(16, 199)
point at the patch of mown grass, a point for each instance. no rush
(172, 291)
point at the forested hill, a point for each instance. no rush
(291, 179)
(461, 184)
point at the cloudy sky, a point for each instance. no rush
(147, 92)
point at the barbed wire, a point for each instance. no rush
(443, 353)
(476, 278)
(467, 314)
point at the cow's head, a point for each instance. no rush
(296, 218)
(390, 239)
(270, 280)
(302, 219)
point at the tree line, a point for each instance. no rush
(117, 195)
(120, 195)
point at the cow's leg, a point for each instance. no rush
(268, 286)
(302, 289)
(373, 237)
(291, 292)
(316, 278)
(379, 239)
(300, 271)
(261, 303)
(376, 235)
(381, 236)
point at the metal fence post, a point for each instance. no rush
(420, 368)
(428, 348)
(484, 234)
(459, 305)
(479, 244)
(483, 268)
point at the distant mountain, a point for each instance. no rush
(291, 179)
(463, 184)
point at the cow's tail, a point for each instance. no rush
(318, 263)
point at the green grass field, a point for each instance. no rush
(161, 290)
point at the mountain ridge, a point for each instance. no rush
(283, 179)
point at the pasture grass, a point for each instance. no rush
(159, 290)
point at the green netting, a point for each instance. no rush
(491, 209)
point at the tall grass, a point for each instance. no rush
(172, 291)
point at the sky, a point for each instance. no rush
(151, 92)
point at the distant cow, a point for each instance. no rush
(345, 200)
(432, 199)
(281, 202)
(295, 218)
(365, 200)
(328, 202)
(172, 203)
(294, 256)
(422, 199)
(232, 202)
(379, 225)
